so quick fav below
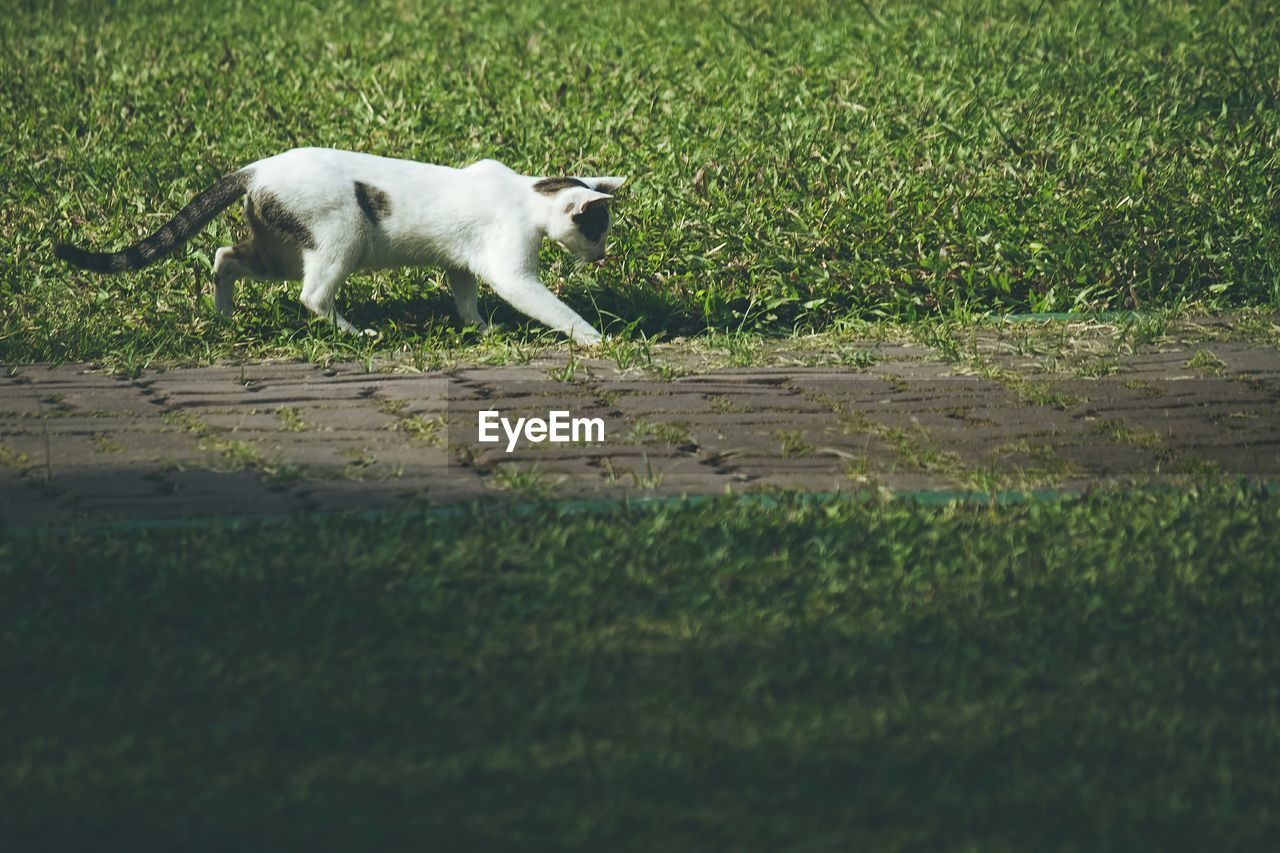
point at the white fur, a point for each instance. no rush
(481, 222)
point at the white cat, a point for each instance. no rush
(320, 214)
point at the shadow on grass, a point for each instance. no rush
(609, 310)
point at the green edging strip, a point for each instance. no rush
(574, 506)
(935, 498)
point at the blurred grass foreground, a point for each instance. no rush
(1096, 674)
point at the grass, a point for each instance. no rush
(427, 429)
(794, 167)
(1097, 674)
(530, 481)
(291, 419)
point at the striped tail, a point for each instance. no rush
(175, 232)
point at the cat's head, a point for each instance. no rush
(579, 217)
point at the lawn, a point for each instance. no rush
(1091, 675)
(794, 166)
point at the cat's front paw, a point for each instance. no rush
(584, 334)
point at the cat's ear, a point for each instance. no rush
(583, 200)
(609, 184)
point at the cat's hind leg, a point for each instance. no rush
(463, 285)
(228, 268)
(260, 258)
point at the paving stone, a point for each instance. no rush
(501, 375)
(121, 448)
(346, 419)
(519, 403)
(23, 401)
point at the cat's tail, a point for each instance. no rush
(189, 221)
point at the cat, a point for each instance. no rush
(320, 214)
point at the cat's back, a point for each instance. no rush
(338, 164)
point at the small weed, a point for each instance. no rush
(291, 419)
(741, 349)
(1147, 390)
(1140, 330)
(531, 481)
(104, 443)
(629, 353)
(567, 371)
(793, 443)
(939, 336)
(916, 448)
(1200, 469)
(666, 371)
(1030, 391)
(1257, 326)
(965, 414)
(648, 479)
(857, 470)
(10, 458)
(1207, 362)
(673, 433)
(855, 357)
(391, 407)
(429, 430)
(1097, 368)
(725, 405)
(361, 461)
(1233, 422)
(912, 445)
(1118, 430)
(240, 454)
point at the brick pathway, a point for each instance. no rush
(1007, 408)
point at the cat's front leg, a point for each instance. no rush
(525, 293)
(322, 275)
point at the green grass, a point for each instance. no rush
(794, 166)
(1092, 675)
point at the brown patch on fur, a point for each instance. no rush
(551, 186)
(374, 202)
(267, 259)
(270, 213)
(265, 252)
